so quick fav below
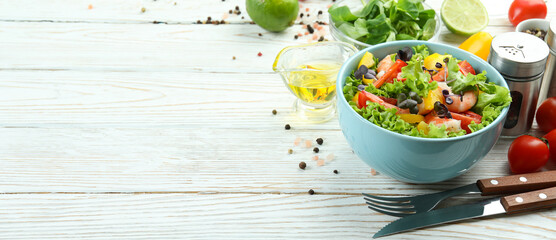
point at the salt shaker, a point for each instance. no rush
(521, 59)
(548, 87)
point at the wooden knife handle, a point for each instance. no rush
(520, 202)
(517, 183)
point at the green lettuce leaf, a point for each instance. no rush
(416, 79)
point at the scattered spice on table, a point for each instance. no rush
(297, 141)
(287, 127)
(259, 54)
(302, 165)
(310, 29)
(143, 9)
(320, 141)
(316, 150)
(335, 171)
(290, 151)
(274, 112)
(308, 143)
(320, 162)
(311, 192)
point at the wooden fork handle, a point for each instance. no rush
(517, 183)
(522, 202)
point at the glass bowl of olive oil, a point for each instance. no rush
(309, 71)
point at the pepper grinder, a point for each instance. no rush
(521, 59)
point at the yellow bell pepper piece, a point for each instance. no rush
(423, 127)
(412, 118)
(430, 99)
(478, 44)
(355, 98)
(368, 60)
(431, 60)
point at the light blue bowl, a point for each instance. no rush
(414, 159)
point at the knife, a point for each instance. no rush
(516, 203)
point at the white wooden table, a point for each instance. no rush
(118, 123)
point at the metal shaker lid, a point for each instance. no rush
(517, 54)
(551, 35)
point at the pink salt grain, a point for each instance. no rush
(315, 25)
(315, 158)
(373, 172)
(300, 34)
(329, 5)
(319, 28)
(297, 141)
(225, 16)
(306, 9)
(315, 36)
(320, 162)
(303, 26)
(330, 157)
(308, 143)
(306, 33)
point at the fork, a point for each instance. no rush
(409, 205)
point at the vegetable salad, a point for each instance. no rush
(385, 20)
(416, 93)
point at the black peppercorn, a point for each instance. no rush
(301, 15)
(237, 8)
(290, 151)
(274, 111)
(320, 12)
(302, 165)
(311, 192)
(335, 171)
(319, 141)
(310, 29)
(288, 127)
(260, 34)
(295, 37)
(316, 150)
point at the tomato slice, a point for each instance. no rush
(466, 118)
(466, 68)
(391, 73)
(440, 76)
(392, 101)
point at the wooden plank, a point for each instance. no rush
(223, 160)
(181, 11)
(150, 47)
(232, 216)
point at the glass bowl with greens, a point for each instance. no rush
(364, 23)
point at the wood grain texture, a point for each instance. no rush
(232, 216)
(120, 124)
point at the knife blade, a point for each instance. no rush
(509, 204)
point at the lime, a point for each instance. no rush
(464, 17)
(273, 15)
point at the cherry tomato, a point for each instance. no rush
(546, 115)
(551, 138)
(527, 154)
(525, 9)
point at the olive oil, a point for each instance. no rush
(314, 83)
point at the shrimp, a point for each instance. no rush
(452, 125)
(459, 103)
(384, 64)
